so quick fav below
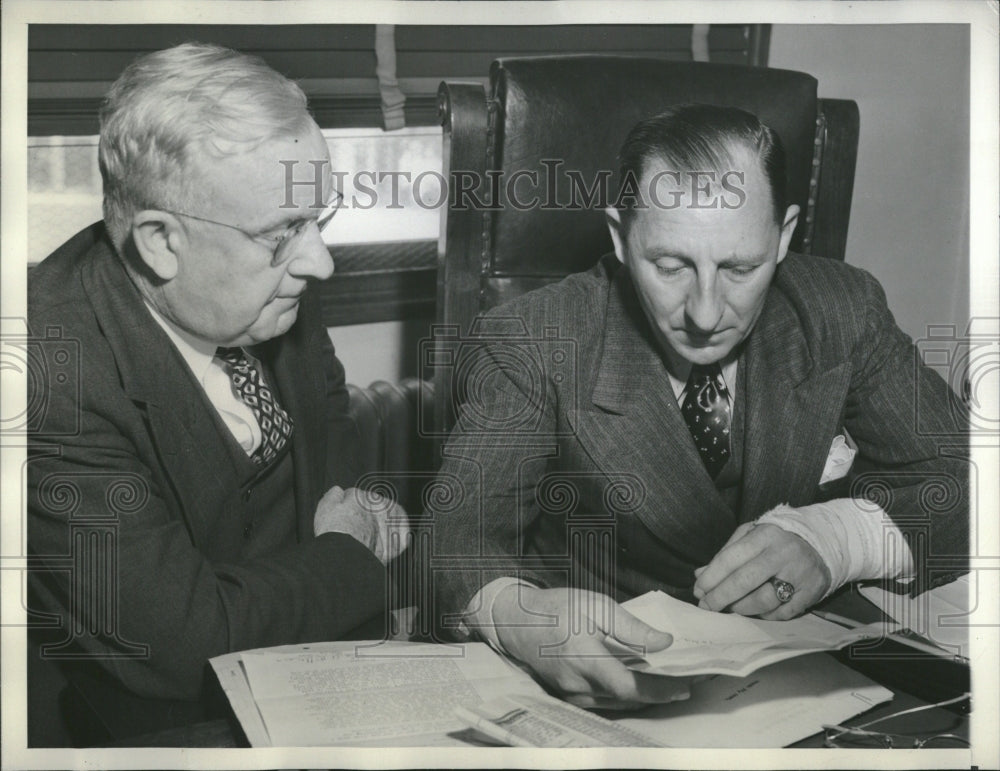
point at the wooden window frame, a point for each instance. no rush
(373, 282)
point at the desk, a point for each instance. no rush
(227, 733)
(928, 722)
(897, 675)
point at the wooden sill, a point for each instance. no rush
(380, 282)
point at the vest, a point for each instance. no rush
(640, 567)
(267, 515)
(730, 478)
(261, 519)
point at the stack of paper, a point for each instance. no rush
(406, 694)
(940, 615)
(729, 644)
(363, 693)
(535, 721)
(773, 707)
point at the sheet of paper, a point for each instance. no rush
(941, 614)
(229, 669)
(727, 643)
(537, 721)
(773, 707)
(367, 694)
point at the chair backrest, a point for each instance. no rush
(523, 161)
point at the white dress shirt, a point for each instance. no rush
(211, 374)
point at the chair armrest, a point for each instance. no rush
(835, 160)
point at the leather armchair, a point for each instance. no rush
(546, 120)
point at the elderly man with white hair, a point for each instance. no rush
(198, 462)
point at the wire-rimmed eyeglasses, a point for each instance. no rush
(281, 244)
(859, 737)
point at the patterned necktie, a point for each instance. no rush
(707, 414)
(275, 425)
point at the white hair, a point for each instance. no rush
(169, 105)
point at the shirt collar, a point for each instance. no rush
(729, 369)
(198, 354)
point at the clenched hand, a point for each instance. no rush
(377, 522)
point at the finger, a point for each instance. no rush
(788, 610)
(764, 601)
(334, 495)
(658, 689)
(610, 680)
(593, 701)
(588, 701)
(739, 532)
(728, 559)
(807, 591)
(636, 634)
(758, 602)
(744, 580)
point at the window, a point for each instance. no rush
(384, 242)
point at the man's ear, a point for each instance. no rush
(158, 238)
(787, 229)
(614, 220)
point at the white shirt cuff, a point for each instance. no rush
(854, 537)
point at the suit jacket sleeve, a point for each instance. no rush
(343, 462)
(912, 437)
(505, 438)
(137, 591)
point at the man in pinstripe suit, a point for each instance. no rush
(714, 424)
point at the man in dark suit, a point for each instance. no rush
(191, 484)
(702, 413)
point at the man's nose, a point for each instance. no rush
(312, 257)
(704, 305)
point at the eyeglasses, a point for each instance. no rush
(281, 244)
(858, 737)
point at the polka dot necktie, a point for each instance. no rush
(275, 425)
(707, 414)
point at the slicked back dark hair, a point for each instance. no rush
(701, 137)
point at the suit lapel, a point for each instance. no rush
(638, 428)
(792, 411)
(301, 388)
(156, 378)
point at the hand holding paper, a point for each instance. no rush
(562, 634)
(738, 577)
(725, 643)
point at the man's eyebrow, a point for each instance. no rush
(743, 259)
(660, 253)
(293, 217)
(289, 219)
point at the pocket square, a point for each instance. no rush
(839, 460)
